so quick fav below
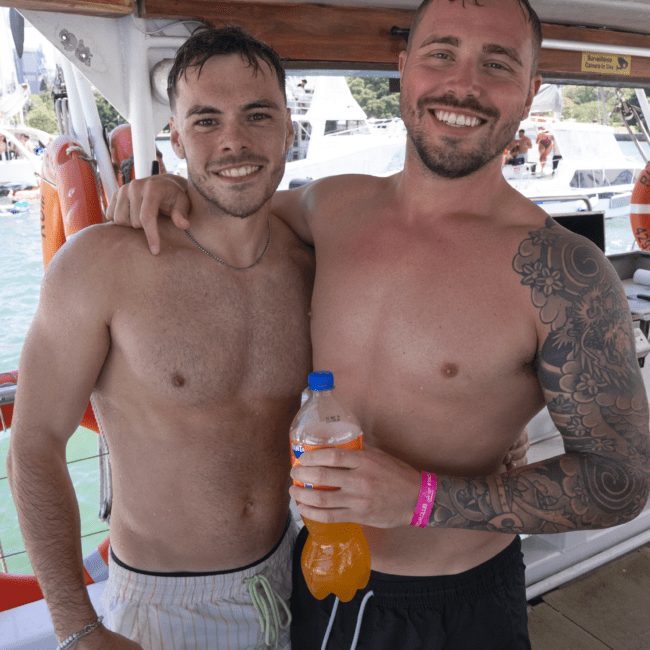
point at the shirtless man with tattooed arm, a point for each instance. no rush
(442, 379)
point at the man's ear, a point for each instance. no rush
(535, 83)
(175, 139)
(290, 131)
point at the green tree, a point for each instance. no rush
(41, 115)
(107, 114)
(374, 97)
(583, 104)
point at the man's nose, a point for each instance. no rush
(234, 136)
(463, 79)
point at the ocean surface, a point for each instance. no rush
(22, 271)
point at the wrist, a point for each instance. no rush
(73, 639)
(426, 497)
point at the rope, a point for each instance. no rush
(97, 532)
(126, 168)
(265, 602)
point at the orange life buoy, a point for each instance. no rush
(69, 203)
(640, 209)
(17, 590)
(69, 198)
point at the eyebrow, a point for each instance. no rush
(445, 40)
(510, 52)
(198, 109)
(488, 48)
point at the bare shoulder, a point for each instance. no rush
(345, 188)
(573, 285)
(339, 196)
(89, 262)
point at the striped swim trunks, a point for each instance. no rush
(212, 611)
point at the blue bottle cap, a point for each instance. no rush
(321, 380)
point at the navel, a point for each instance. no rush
(449, 370)
(178, 381)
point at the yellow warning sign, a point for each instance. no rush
(599, 63)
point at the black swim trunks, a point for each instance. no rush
(480, 609)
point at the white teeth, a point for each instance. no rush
(456, 120)
(236, 172)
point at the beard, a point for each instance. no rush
(450, 160)
(237, 201)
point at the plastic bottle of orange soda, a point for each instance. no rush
(335, 558)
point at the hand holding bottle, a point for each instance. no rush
(335, 558)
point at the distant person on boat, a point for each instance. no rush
(23, 138)
(196, 361)
(5, 153)
(302, 97)
(451, 309)
(545, 145)
(524, 144)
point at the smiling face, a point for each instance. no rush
(234, 129)
(466, 83)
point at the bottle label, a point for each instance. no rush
(298, 449)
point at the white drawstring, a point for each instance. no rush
(267, 608)
(357, 630)
(329, 625)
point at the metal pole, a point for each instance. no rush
(2, 559)
(141, 115)
(100, 150)
(645, 107)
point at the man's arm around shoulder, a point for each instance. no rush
(63, 354)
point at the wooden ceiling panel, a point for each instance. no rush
(325, 33)
(82, 7)
(303, 32)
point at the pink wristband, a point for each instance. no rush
(425, 500)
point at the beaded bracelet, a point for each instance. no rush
(73, 638)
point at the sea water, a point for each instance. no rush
(21, 266)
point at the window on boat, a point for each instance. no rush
(346, 127)
(588, 178)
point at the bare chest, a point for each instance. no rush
(202, 340)
(430, 307)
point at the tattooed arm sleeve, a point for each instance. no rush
(590, 377)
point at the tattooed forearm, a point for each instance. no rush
(589, 374)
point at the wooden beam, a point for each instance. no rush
(346, 34)
(83, 7)
(305, 32)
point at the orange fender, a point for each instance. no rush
(640, 209)
(17, 590)
(69, 198)
(121, 146)
(7, 410)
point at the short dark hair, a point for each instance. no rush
(524, 5)
(207, 42)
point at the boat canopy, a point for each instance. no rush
(336, 33)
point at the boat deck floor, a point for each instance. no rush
(607, 609)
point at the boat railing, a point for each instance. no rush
(562, 199)
(7, 396)
(299, 106)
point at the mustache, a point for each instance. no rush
(450, 101)
(234, 161)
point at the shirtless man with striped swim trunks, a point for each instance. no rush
(196, 366)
